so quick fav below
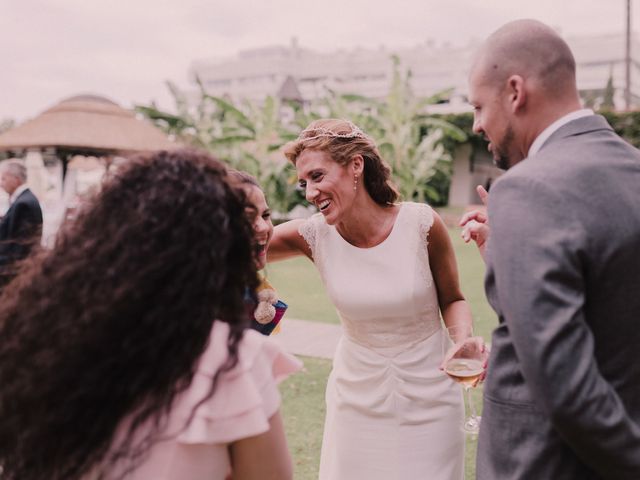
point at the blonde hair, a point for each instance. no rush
(342, 140)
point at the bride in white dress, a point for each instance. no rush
(390, 271)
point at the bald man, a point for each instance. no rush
(562, 394)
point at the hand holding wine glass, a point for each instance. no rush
(465, 361)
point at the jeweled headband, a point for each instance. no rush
(320, 132)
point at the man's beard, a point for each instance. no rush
(500, 151)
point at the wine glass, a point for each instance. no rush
(464, 359)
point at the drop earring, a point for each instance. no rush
(355, 183)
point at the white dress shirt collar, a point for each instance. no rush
(16, 193)
(547, 132)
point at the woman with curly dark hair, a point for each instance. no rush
(112, 364)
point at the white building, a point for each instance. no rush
(292, 72)
(298, 73)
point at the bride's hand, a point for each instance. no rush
(471, 343)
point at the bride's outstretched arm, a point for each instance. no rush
(287, 242)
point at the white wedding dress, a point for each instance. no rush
(392, 414)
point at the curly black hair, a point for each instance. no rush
(111, 322)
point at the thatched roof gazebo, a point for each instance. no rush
(87, 125)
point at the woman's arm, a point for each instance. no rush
(287, 242)
(263, 457)
(454, 308)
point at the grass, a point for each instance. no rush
(471, 272)
(303, 410)
(299, 285)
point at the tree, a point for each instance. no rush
(601, 98)
(6, 124)
(607, 96)
(247, 137)
(408, 138)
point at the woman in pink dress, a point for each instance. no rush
(112, 364)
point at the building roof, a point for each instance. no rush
(289, 91)
(88, 123)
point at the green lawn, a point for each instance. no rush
(303, 412)
(299, 285)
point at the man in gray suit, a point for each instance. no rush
(562, 394)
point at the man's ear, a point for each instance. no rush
(516, 92)
(357, 164)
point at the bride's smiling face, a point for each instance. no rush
(327, 184)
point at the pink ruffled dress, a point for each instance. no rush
(244, 400)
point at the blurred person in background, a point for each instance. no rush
(21, 226)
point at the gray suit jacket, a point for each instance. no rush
(562, 395)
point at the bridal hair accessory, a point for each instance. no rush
(319, 132)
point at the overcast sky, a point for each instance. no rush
(127, 49)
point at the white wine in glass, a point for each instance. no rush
(464, 371)
(464, 362)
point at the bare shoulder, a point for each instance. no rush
(438, 232)
(426, 216)
(437, 219)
